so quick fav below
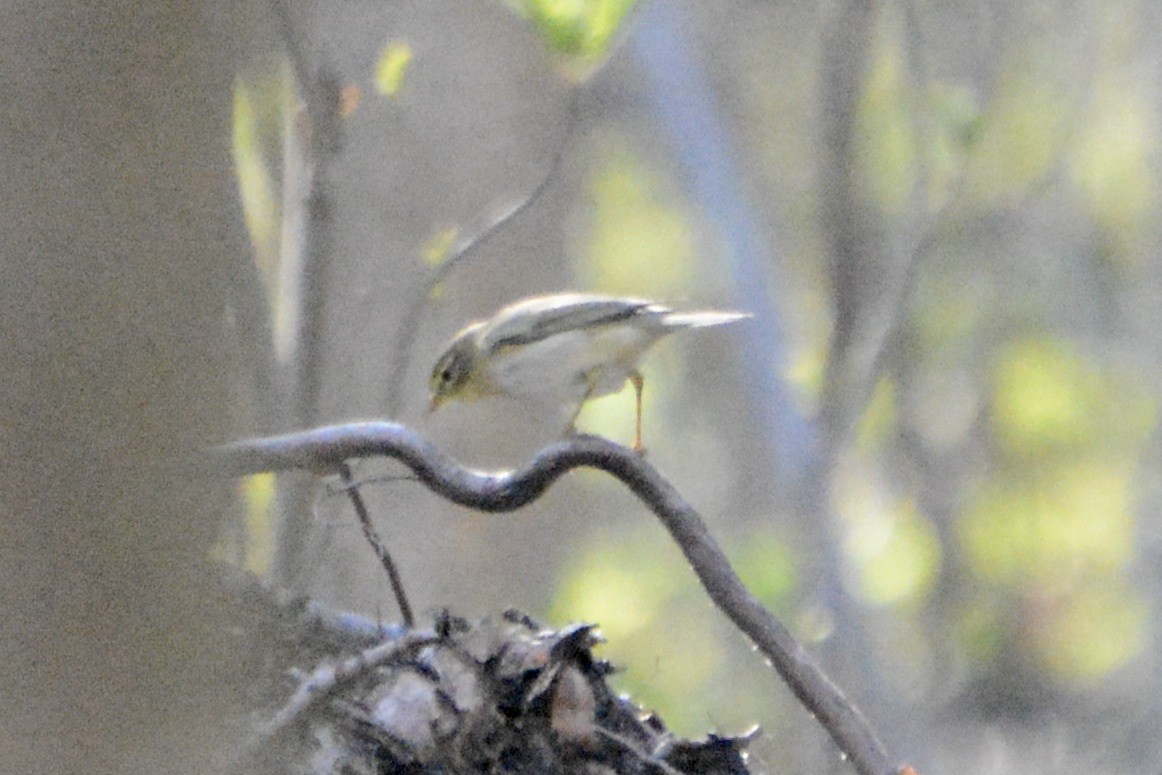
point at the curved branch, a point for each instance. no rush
(326, 450)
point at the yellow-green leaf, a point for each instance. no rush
(575, 27)
(391, 67)
(436, 248)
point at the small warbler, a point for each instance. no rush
(560, 349)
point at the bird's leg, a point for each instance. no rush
(638, 381)
(571, 428)
(590, 384)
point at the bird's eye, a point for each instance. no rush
(446, 374)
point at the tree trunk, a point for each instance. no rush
(119, 230)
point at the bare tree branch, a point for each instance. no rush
(313, 143)
(465, 248)
(326, 449)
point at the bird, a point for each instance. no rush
(560, 349)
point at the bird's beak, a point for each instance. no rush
(433, 405)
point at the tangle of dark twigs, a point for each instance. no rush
(330, 677)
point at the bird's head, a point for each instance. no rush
(455, 375)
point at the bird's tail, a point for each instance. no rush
(704, 318)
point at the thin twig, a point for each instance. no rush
(378, 479)
(326, 449)
(294, 40)
(458, 255)
(377, 545)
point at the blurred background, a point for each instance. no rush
(933, 451)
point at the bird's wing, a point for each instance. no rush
(538, 318)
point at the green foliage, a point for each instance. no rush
(897, 557)
(391, 67)
(659, 622)
(577, 28)
(637, 242)
(1081, 634)
(1053, 530)
(955, 124)
(1112, 165)
(252, 548)
(912, 134)
(438, 247)
(1022, 136)
(263, 100)
(1072, 520)
(887, 139)
(1094, 630)
(765, 562)
(1044, 398)
(807, 369)
(258, 494)
(979, 627)
(951, 308)
(256, 125)
(880, 417)
(1048, 399)
(1035, 125)
(894, 550)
